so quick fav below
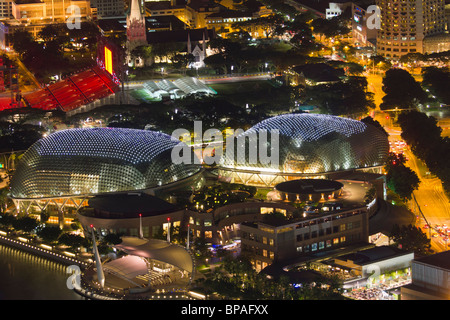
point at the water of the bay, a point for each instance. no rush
(25, 276)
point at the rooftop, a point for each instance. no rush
(180, 35)
(307, 186)
(230, 14)
(373, 254)
(440, 260)
(131, 203)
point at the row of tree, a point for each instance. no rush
(423, 135)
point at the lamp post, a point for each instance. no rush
(141, 233)
(187, 241)
(168, 229)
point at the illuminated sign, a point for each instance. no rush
(108, 61)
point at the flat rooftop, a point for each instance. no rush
(440, 260)
(308, 186)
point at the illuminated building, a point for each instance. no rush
(362, 35)
(405, 25)
(70, 166)
(109, 8)
(277, 240)
(52, 10)
(309, 146)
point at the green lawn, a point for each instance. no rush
(240, 87)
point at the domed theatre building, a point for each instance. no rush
(66, 169)
(308, 146)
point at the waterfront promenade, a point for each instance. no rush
(88, 287)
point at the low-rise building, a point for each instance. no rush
(430, 278)
(274, 240)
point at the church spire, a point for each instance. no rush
(135, 10)
(136, 29)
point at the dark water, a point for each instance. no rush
(24, 276)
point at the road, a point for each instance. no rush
(432, 207)
(432, 203)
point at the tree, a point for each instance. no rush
(402, 180)
(375, 123)
(112, 238)
(419, 131)
(7, 220)
(4, 200)
(26, 224)
(437, 81)
(330, 28)
(49, 233)
(402, 90)
(411, 238)
(22, 41)
(423, 134)
(72, 240)
(341, 98)
(143, 52)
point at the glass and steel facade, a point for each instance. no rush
(309, 145)
(93, 161)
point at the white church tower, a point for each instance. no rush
(136, 30)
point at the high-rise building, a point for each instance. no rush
(405, 24)
(109, 8)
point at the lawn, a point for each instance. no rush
(240, 87)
